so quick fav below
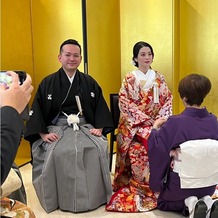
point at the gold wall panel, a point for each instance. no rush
(198, 44)
(103, 33)
(150, 21)
(52, 23)
(183, 34)
(16, 49)
(31, 34)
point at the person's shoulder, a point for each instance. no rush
(213, 116)
(176, 118)
(49, 77)
(130, 75)
(160, 77)
(159, 74)
(174, 123)
(85, 76)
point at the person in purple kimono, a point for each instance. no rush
(195, 122)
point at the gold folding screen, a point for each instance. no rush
(183, 34)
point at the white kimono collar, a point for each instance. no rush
(145, 80)
(71, 78)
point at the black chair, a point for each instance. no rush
(115, 111)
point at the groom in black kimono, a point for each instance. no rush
(70, 165)
(56, 94)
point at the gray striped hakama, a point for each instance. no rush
(72, 174)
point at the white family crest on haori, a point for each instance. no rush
(30, 112)
(49, 97)
(92, 94)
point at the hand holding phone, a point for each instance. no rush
(17, 95)
(6, 78)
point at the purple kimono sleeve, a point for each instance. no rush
(159, 158)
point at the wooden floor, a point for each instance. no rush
(33, 202)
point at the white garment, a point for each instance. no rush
(147, 81)
(197, 163)
(71, 78)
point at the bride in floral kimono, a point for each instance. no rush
(143, 98)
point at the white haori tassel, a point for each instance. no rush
(73, 120)
(156, 93)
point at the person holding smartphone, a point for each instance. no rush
(13, 100)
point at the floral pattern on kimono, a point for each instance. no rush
(137, 114)
(12, 208)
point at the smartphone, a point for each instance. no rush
(6, 79)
